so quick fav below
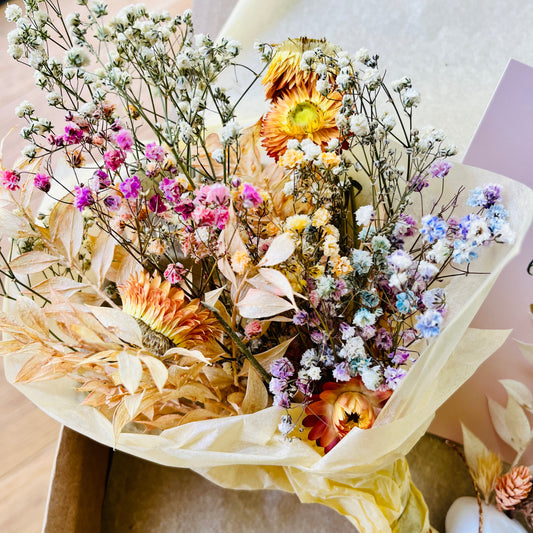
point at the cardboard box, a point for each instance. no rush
(96, 490)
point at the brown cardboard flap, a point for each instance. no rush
(78, 485)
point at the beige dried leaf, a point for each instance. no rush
(211, 297)
(102, 256)
(193, 354)
(121, 417)
(122, 266)
(520, 392)
(280, 249)
(196, 392)
(12, 346)
(121, 324)
(279, 282)
(59, 285)
(265, 359)
(510, 423)
(133, 403)
(196, 415)
(66, 227)
(256, 397)
(261, 304)
(157, 369)
(13, 226)
(484, 465)
(218, 378)
(31, 315)
(526, 349)
(130, 371)
(235, 399)
(32, 262)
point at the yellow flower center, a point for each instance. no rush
(306, 116)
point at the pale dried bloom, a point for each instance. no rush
(512, 488)
(321, 217)
(239, 261)
(487, 469)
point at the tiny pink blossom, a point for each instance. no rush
(114, 158)
(10, 179)
(124, 140)
(253, 329)
(250, 197)
(154, 152)
(42, 182)
(218, 194)
(203, 216)
(174, 273)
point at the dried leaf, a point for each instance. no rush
(31, 315)
(194, 354)
(519, 392)
(130, 370)
(260, 304)
(526, 349)
(121, 324)
(211, 297)
(485, 466)
(281, 248)
(32, 262)
(265, 359)
(197, 414)
(67, 287)
(66, 227)
(102, 256)
(279, 281)
(132, 403)
(511, 423)
(121, 417)
(13, 226)
(518, 425)
(195, 392)
(157, 370)
(256, 397)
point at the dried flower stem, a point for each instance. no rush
(238, 342)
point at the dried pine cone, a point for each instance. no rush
(512, 488)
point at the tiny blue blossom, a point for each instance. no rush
(463, 252)
(428, 324)
(433, 228)
(361, 261)
(496, 217)
(363, 318)
(380, 244)
(406, 302)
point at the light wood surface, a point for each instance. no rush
(28, 436)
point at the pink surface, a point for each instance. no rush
(503, 143)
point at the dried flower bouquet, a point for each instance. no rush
(280, 298)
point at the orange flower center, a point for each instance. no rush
(352, 409)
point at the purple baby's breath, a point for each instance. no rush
(154, 152)
(83, 197)
(130, 188)
(282, 368)
(440, 169)
(42, 182)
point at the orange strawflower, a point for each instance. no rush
(340, 408)
(301, 114)
(165, 315)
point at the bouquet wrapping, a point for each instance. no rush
(364, 474)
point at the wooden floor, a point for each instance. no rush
(28, 437)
